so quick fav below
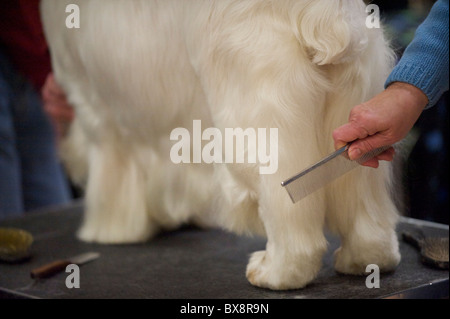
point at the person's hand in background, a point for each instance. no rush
(56, 106)
(384, 120)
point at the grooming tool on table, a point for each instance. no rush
(433, 250)
(325, 171)
(57, 266)
(15, 245)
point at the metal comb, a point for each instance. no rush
(325, 171)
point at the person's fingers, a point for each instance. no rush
(387, 155)
(62, 112)
(362, 123)
(365, 145)
(52, 94)
(65, 112)
(51, 89)
(347, 133)
(373, 162)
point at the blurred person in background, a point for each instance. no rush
(31, 176)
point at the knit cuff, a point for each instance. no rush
(415, 75)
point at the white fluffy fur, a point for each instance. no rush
(135, 70)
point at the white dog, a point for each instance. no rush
(135, 70)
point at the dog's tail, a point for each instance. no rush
(332, 31)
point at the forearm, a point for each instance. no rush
(425, 62)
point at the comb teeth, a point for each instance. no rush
(324, 172)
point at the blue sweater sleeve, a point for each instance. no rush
(424, 63)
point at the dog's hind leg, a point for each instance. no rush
(360, 205)
(363, 214)
(258, 84)
(296, 243)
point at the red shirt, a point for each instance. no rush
(22, 39)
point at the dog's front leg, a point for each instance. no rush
(116, 210)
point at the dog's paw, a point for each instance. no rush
(277, 275)
(103, 235)
(355, 262)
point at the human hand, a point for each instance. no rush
(56, 106)
(384, 120)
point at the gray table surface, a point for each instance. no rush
(192, 263)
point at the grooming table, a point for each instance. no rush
(192, 263)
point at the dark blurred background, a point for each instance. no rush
(424, 173)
